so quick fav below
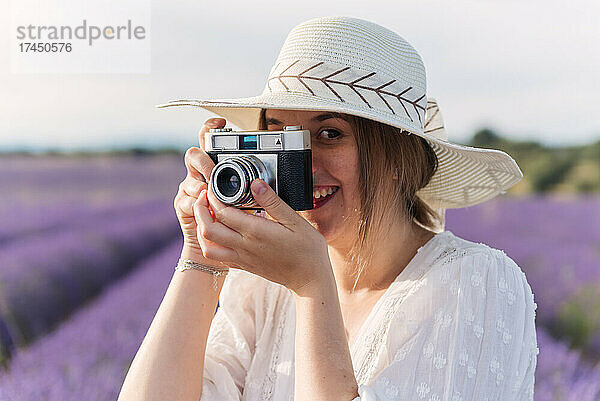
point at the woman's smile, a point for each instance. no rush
(322, 195)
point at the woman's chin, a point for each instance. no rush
(327, 219)
(326, 228)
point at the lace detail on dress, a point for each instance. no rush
(450, 255)
(269, 383)
(374, 340)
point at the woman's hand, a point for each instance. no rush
(199, 166)
(286, 250)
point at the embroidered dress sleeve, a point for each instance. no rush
(467, 334)
(232, 336)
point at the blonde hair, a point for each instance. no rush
(393, 165)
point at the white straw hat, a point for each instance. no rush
(357, 67)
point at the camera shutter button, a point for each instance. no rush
(292, 127)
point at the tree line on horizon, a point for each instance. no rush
(546, 169)
(565, 169)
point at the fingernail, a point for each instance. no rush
(259, 187)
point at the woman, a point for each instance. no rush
(364, 297)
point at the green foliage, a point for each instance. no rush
(549, 169)
(586, 187)
(485, 138)
(592, 151)
(553, 169)
(579, 318)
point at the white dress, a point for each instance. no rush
(457, 324)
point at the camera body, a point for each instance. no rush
(283, 159)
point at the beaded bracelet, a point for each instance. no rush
(186, 264)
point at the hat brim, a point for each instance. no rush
(466, 175)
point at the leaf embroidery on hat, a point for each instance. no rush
(352, 85)
(430, 117)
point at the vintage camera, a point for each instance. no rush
(283, 159)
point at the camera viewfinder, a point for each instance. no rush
(248, 142)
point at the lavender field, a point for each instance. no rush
(88, 245)
(557, 244)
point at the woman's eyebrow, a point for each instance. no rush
(326, 116)
(319, 118)
(272, 120)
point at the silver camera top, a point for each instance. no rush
(291, 137)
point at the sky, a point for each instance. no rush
(527, 69)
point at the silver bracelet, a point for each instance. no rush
(186, 264)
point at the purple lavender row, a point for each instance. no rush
(46, 276)
(20, 220)
(555, 241)
(563, 374)
(31, 181)
(87, 357)
(43, 192)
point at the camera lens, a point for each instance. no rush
(228, 181)
(231, 177)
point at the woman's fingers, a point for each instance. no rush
(214, 238)
(199, 165)
(231, 217)
(210, 123)
(184, 205)
(192, 186)
(189, 189)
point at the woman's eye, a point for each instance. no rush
(330, 134)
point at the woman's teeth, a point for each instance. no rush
(323, 192)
